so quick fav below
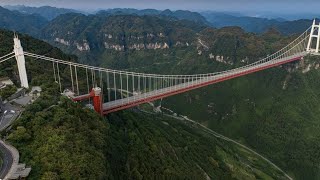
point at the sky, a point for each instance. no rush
(277, 6)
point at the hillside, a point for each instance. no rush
(256, 24)
(47, 12)
(25, 23)
(138, 42)
(95, 35)
(179, 14)
(61, 140)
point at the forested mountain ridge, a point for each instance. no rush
(123, 41)
(256, 24)
(47, 12)
(179, 14)
(90, 36)
(24, 23)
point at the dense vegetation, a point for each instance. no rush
(275, 111)
(60, 140)
(7, 91)
(26, 23)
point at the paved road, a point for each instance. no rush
(12, 112)
(9, 117)
(7, 161)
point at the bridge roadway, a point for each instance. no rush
(132, 101)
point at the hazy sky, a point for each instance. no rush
(284, 6)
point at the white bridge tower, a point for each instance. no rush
(315, 33)
(18, 50)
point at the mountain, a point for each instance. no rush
(275, 111)
(93, 35)
(179, 14)
(47, 12)
(255, 24)
(25, 23)
(251, 24)
(61, 139)
(124, 41)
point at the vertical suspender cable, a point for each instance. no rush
(121, 86)
(127, 86)
(75, 69)
(101, 86)
(108, 87)
(100, 76)
(150, 86)
(87, 81)
(132, 84)
(71, 74)
(115, 86)
(54, 71)
(139, 83)
(59, 78)
(88, 88)
(92, 79)
(145, 83)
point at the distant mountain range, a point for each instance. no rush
(47, 12)
(32, 19)
(255, 24)
(16, 21)
(179, 14)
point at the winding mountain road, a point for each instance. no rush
(7, 160)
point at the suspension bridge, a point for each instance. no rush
(119, 90)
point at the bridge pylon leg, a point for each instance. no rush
(18, 50)
(315, 34)
(97, 99)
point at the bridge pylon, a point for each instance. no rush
(97, 99)
(315, 34)
(19, 54)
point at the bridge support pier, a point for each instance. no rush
(97, 99)
(18, 50)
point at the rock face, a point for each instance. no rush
(136, 46)
(62, 41)
(116, 47)
(83, 46)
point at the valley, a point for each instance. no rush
(275, 112)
